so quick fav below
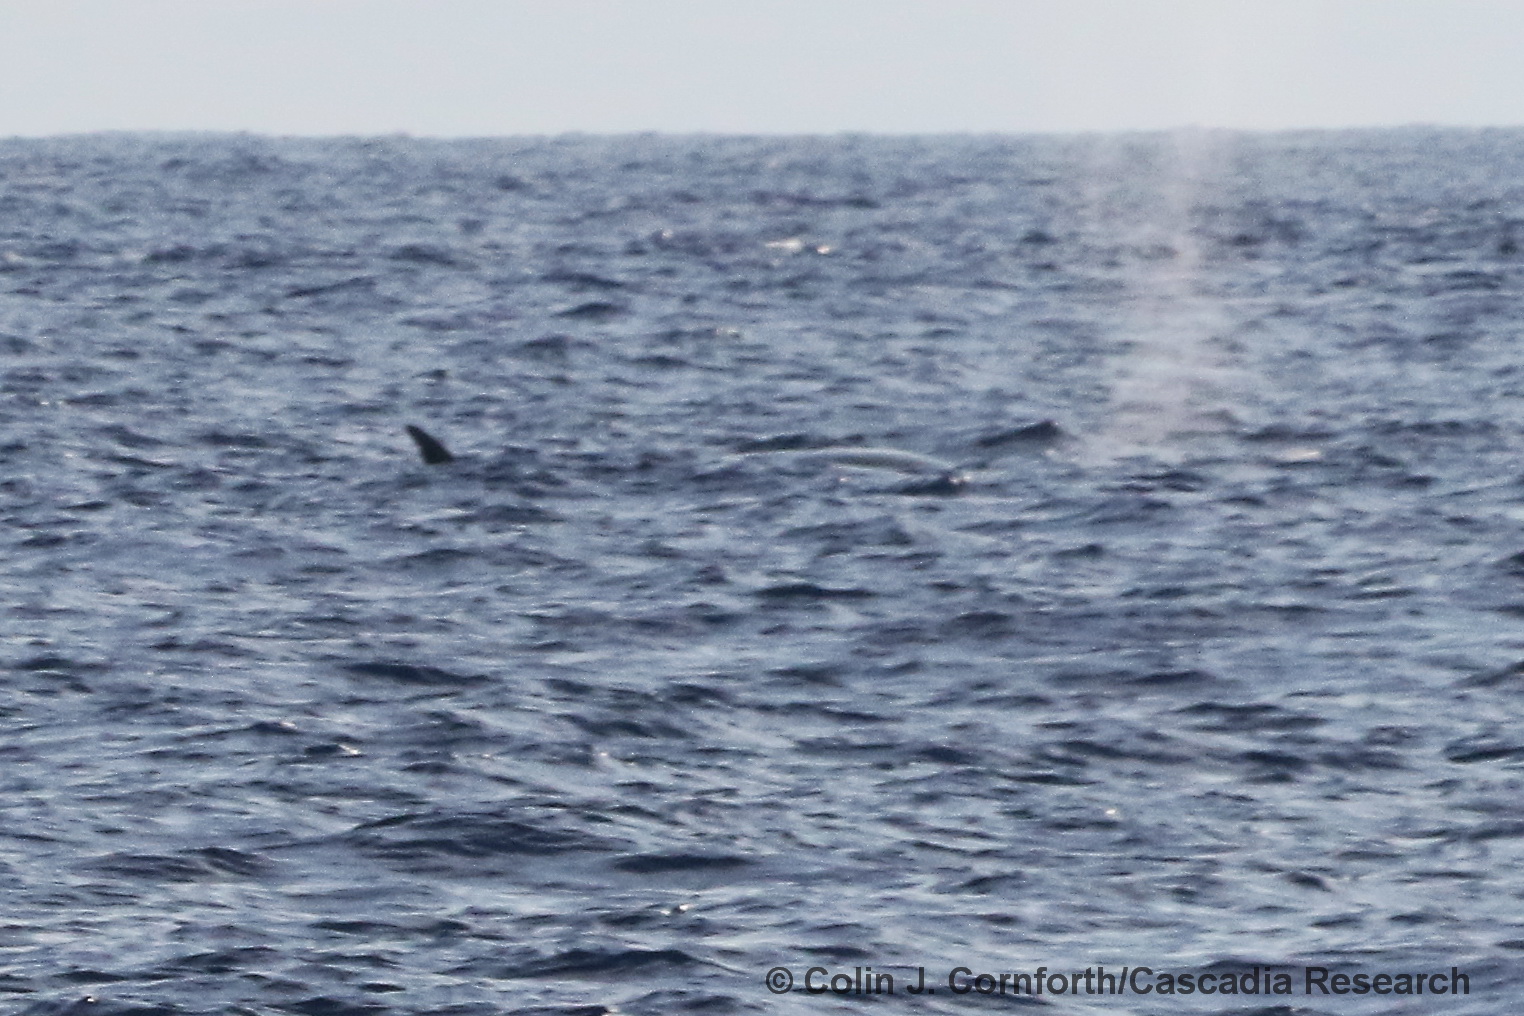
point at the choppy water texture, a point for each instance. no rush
(632, 702)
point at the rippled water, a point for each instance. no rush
(1214, 661)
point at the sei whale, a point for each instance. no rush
(930, 476)
(434, 453)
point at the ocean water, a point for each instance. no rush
(1213, 666)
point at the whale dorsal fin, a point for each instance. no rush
(429, 447)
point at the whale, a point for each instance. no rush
(432, 450)
(889, 459)
(931, 476)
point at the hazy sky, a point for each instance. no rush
(482, 67)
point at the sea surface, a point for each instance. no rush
(1203, 652)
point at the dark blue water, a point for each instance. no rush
(1215, 661)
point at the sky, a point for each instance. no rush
(497, 67)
